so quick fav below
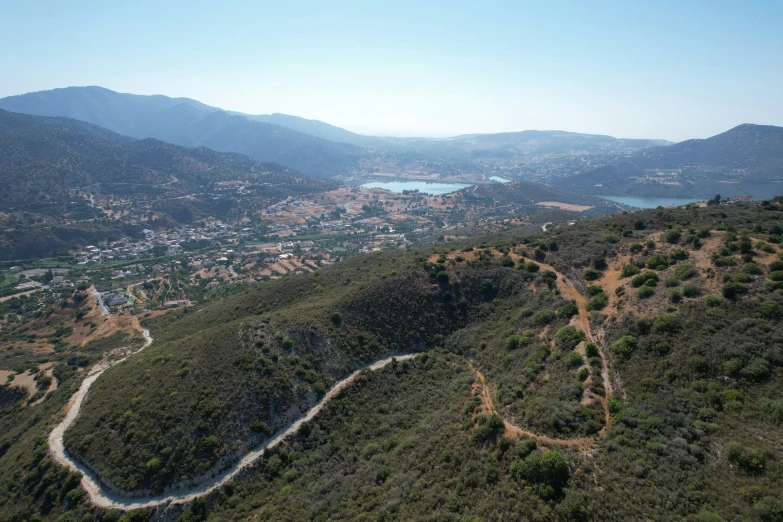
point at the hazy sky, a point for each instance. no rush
(653, 69)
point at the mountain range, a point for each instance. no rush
(310, 146)
(747, 159)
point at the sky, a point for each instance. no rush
(631, 69)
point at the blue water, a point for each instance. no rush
(499, 179)
(650, 202)
(427, 187)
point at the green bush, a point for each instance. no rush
(629, 270)
(665, 323)
(568, 310)
(635, 248)
(532, 267)
(657, 262)
(574, 359)
(643, 278)
(645, 292)
(725, 261)
(513, 342)
(548, 468)
(673, 236)
(771, 309)
(591, 349)
(674, 295)
(568, 337)
(752, 268)
(594, 290)
(748, 460)
(733, 290)
(711, 300)
(592, 274)
(777, 275)
(599, 302)
(582, 374)
(625, 346)
(691, 290)
(543, 317)
(686, 271)
(679, 254)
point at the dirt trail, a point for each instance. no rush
(103, 497)
(583, 322)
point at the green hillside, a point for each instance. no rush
(625, 367)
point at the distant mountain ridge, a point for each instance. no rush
(187, 122)
(747, 159)
(52, 154)
(311, 146)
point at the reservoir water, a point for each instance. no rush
(427, 187)
(640, 202)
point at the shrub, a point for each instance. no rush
(691, 290)
(629, 270)
(657, 262)
(513, 342)
(679, 254)
(776, 266)
(674, 295)
(620, 290)
(645, 292)
(665, 323)
(593, 290)
(336, 318)
(548, 468)
(532, 267)
(725, 261)
(643, 278)
(625, 346)
(670, 282)
(592, 274)
(568, 310)
(574, 359)
(568, 337)
(777, 275)
(733, 290)
(591, 350)
(542, 317)
(752, 268)
(686, 271)
(711, 300)
(757, 370)
(599, 302)
(442, 278)
(771, 309)
(635, 248)
(582, 374)
(673, 236)
(748, 460)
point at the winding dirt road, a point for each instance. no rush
(103, 497)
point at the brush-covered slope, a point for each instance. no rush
(221, 379)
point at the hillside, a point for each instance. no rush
(190, 123)
(745, 160)
(633, 357)
(43, 159)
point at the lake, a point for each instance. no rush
(639, 202)
(427, 187)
